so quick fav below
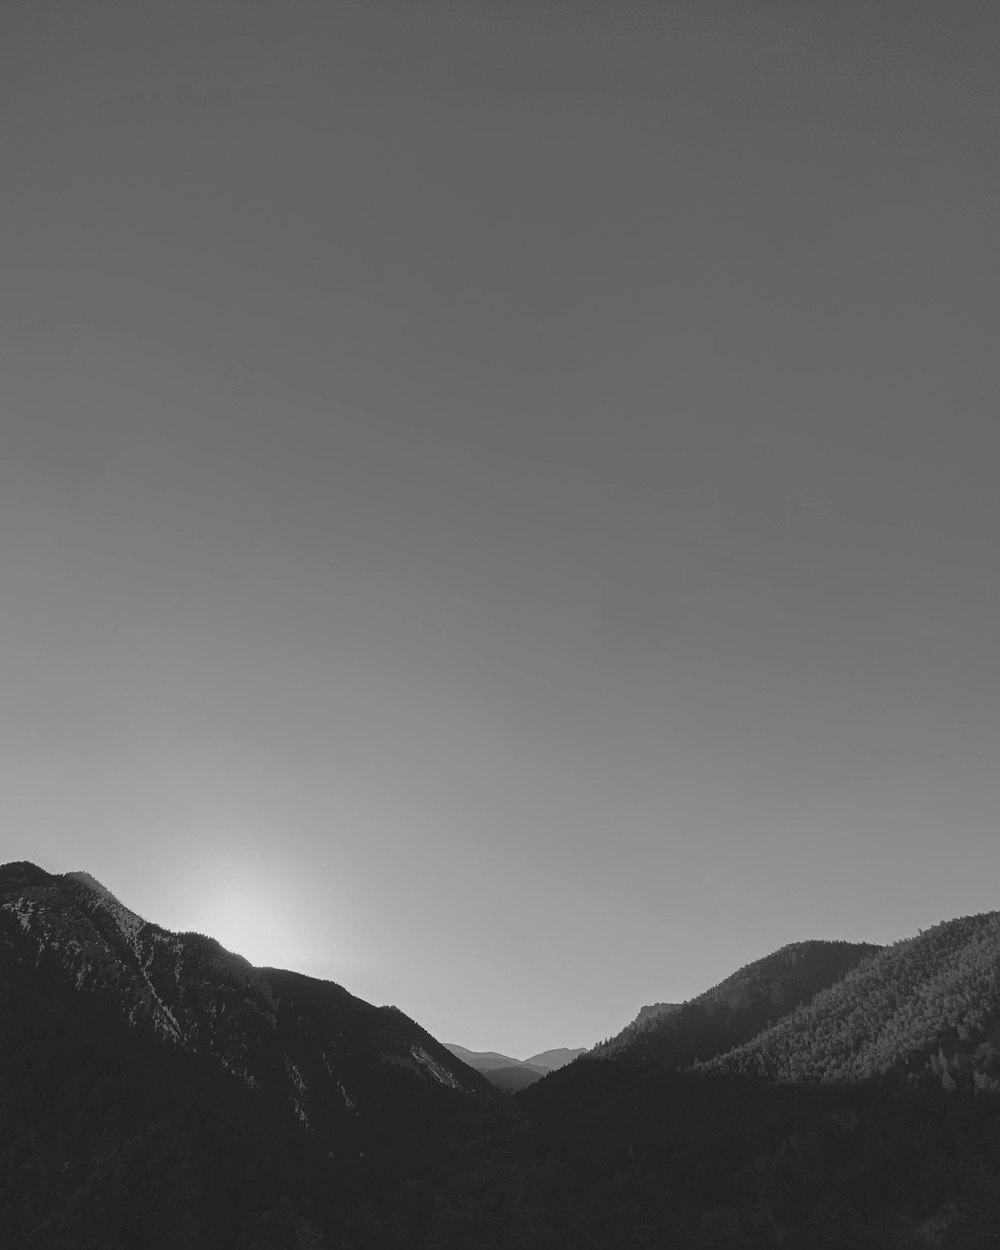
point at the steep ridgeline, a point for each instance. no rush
(158, 1091)
(735, 1010)
(339, 1064)
(928, 1007)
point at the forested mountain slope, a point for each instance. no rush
(866, 1114)
(928, 1005)
(157, 1091)
(111, 1138)
(736, 1009)
(157, 1080)
(331, 1055)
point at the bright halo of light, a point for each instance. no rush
(247, 923)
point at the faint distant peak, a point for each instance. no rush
(500, 1068)
(481, 1060)
(557, 1058)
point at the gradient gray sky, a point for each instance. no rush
(498, 502)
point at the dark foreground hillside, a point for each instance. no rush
(157, 1090)
(110, 1139)
(681, 1160)
(108, 1143)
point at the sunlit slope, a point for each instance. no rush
(738, 1008)
(929, 1005)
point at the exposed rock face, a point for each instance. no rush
(653, 1010)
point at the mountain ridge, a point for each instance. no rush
(192, 992)
(737, 1008)
(159, 1090)
(510, 1074)
(938, 991)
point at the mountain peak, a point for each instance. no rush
(127, 921)
(556, 1058)
(891, 1012)
(23, 872)
(511, 1074)
(91, 881)
(190, 992)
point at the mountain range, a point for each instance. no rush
(157, 1090)
(511, 1074)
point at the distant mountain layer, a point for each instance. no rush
(509, 1074)
(482, 1060)
(553, 1059)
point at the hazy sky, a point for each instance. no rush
(498, 501)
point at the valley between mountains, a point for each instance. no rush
(157, 1090)
(512, 1074)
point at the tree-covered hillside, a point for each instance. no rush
(736, 1009)
(929, 1005)
(156, 1091)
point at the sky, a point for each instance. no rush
(498, 501)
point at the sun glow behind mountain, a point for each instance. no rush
(497, 502)
(267, 910)
(249, 923)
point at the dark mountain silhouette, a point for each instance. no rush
(328, 1053)
(120, 1040)
(520, 1076)
(482, 1060)
(158, 1091)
